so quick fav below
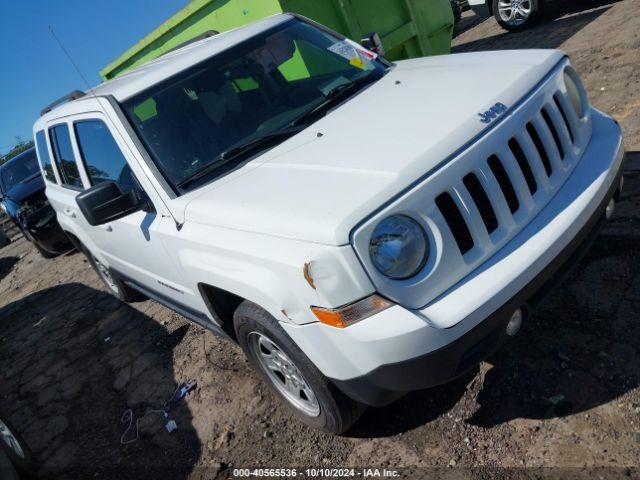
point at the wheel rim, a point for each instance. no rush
(10, 440)
(105, 275)
(284, 374)
(514, 12)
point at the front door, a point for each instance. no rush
(132, 245)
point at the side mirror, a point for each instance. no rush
(372, 42)
(105, 202)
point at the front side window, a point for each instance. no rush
(43, 155)
(269, 85)
(19, 169)
(63, 154)
(102, 157)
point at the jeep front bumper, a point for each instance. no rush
(398, 350)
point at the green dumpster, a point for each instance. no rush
(408, 28)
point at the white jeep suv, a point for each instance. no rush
(357, 230)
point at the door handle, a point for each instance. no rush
(107, 228)
(69, 213)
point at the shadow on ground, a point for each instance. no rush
(73, 359)
(550, 33)
(6, 265)
(577, 352)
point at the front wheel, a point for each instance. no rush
(517, 15)
(290, 374)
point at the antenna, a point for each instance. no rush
(76, 93)
(73, 95)
(53, 33)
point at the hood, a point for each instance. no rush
(319, 184)
(26, 188)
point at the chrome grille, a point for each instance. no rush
(528, 159)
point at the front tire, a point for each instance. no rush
(290, 374)
(517, 15)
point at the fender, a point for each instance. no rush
(269, 271)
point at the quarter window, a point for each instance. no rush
(102, 156)
(43, 155)
(63, 154)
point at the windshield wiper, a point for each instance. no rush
(237, 152)
(334, 95)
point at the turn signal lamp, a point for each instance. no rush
(348, 315)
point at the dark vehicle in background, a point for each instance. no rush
(23, 200)
(458, 6)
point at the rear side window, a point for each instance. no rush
(102, 156)
(43, 155)
(63, 154)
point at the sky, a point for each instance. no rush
(34, 71)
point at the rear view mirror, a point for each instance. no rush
(105, 202)
(372, 42)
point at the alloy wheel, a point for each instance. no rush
(10, 440)
(514, 12)
(105, 274)
(283, 374)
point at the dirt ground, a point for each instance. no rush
(563, 395)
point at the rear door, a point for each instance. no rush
(62, 178)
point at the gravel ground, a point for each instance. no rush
(563, 395)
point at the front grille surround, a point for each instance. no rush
(550, 154)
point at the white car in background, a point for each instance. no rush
(512, 15)
(359, 231)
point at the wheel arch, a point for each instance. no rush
(221, 305)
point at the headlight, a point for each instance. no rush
(398, 247)
(2, 207)
(575, 91)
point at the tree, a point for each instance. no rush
(18, 149)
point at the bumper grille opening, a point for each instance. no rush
(505, 183)
(455, 221)
(482, 201)
(521, 158)
(533, 133)
(554, 132)
(564, 117)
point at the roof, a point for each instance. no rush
(134, 81)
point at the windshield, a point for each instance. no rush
(18, 170)
(263, 86)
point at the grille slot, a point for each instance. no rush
(521, 158)
(564, 116)
(455, 221)
(505, 183)
(482, 201)
(554, 132)
(533, 133)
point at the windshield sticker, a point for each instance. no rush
(357, 62)
(353, 52)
